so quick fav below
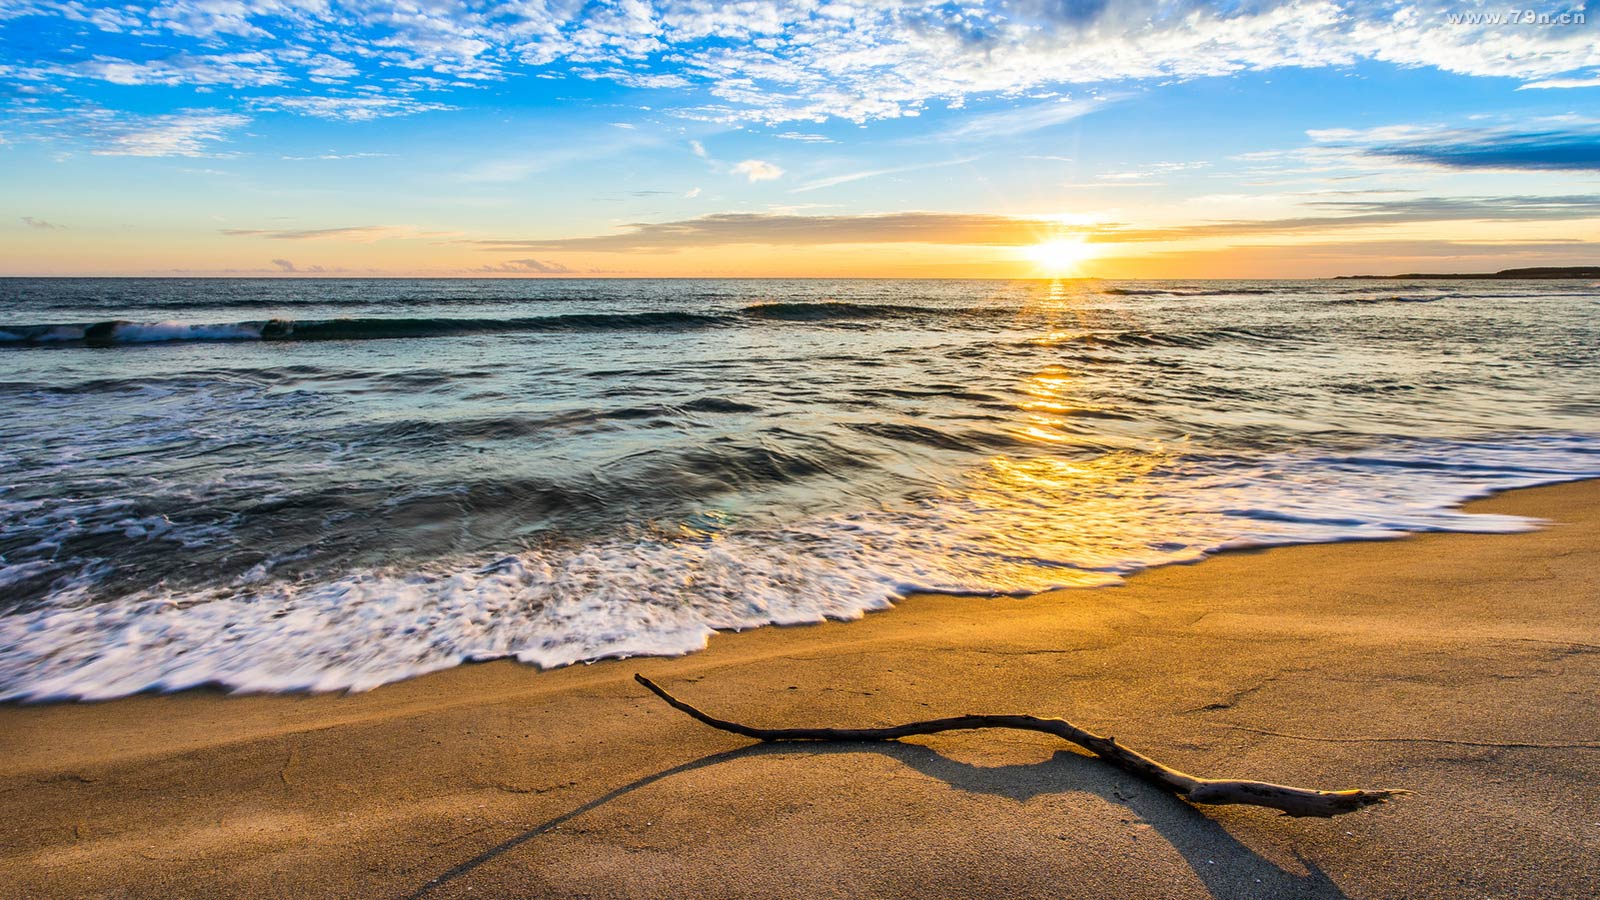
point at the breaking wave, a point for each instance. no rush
(114, 333)
(666, 594)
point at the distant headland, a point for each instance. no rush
(1530, 273)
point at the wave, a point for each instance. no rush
(1142, 338)
(835, 310)
(665, 593)
(1393, 298)
(119, 332)
(1186, 292)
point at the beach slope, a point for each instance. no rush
(1463, 667)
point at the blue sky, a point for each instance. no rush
(760, 138)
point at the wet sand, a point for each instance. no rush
(1463, 667)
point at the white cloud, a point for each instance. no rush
(182, 134)
(349, 109)
(1561, 83)
(110, 20)
(210, 19)
(234, 69)
(757, 170)
(639, 79)
(327, 68)
(781, 61)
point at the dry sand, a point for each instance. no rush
(1464, 667)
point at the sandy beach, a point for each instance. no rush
(1462, 667)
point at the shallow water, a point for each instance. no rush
(278, 485)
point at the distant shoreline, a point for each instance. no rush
(1539, 273)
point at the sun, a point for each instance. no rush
(1059, 256)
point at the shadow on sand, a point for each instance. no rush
(1227, 867)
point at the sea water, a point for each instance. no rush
(278, 485)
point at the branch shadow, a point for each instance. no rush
(1226, 867)
(548, 825)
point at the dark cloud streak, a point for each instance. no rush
(1574, 148)
(1366, 213)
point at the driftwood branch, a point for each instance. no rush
(1293, 801)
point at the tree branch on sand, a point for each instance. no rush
(1292, 801)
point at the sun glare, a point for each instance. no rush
(1060, 256)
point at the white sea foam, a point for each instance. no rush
(1013, 526)
(158, 332)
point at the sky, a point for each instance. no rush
(688, 138)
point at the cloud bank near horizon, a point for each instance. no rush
(986, 230)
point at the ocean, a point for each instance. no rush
(282, 485)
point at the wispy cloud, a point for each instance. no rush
(181, 134)
(249, 69)
(364, 234)
(288, 267)
(330, 155)
(525, 267)
(1142, 178)
(349, 109)
(653, 81)
(835, 180)
(1024, 119)
(109, 132)
(41, 224)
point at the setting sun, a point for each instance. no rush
(1060, 256)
